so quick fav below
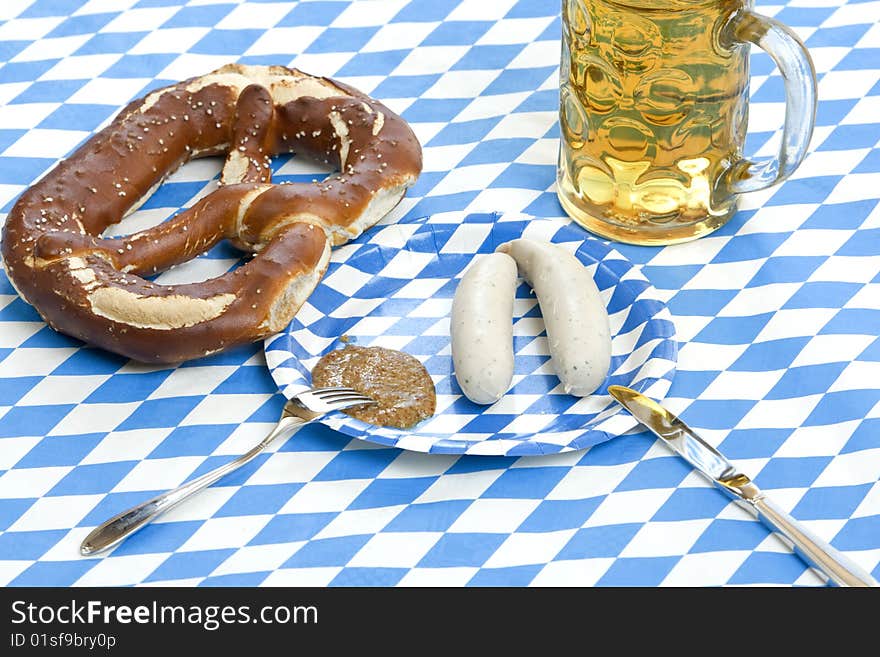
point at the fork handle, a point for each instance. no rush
(128, 522)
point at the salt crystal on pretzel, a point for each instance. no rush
(93, 288)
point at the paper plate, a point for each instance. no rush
(393, 287)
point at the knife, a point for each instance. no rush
(684, 441)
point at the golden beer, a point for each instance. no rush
(653, 116)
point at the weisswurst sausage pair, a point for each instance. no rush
(578, 334)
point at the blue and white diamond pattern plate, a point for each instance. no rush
(777, 318)
(393, 288)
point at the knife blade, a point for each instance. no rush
(836, 568)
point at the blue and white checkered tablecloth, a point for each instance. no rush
(777, 317)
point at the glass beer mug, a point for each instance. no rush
(654, 110)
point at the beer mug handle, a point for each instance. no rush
(793, 61)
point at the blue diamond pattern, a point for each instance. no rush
(776, 316)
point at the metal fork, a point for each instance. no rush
(302, 409)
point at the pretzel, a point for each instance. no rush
(93, 288)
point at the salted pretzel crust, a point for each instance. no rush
(94, 288)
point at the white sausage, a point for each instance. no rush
(482, 328)
(574, 314)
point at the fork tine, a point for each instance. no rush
(351, 399)
(329, 389)
(329, 397)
